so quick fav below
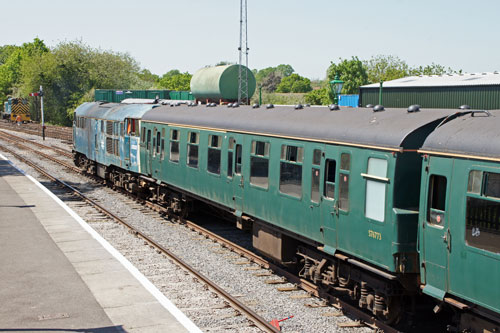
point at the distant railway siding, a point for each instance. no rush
(56, 132)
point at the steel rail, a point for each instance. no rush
(56, 149)
(259, 322)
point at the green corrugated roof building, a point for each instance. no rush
(478, 90)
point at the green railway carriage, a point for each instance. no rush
(341, 185)
(459, 227)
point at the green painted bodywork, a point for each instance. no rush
(390, 245)
(220, 82)
(449, 264)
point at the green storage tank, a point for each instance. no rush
(220, 83)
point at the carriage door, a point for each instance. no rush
(235, 170)
(435, 226)
(147, 157)
(158, 153)
(329, 202)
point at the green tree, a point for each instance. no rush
(11, 58)
(432, 69)
(318, 97)
(294, 84)
(386, 68)
(352, 72)
(175, 80)
(69, 73)
(285, 70)
(270, 82)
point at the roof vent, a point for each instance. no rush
(255, 106)
(370, 106)
(464, 107)
(333, 107)
(172, 104)
(230, 105)
(299, 107)
(495, 72)
(307, 105)
(177, 104)
(269, 106)
(213, 104)
(414, 108)
(236, 104)
(378, 108)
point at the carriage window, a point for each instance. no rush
(102, 126)
(237, 160)
(230, 152)
(375, 189)
(492, 183)
(149, 140)
(158, 142)
(174, 145)
(345, 165)
(315, 175)
(143, 134)
(482, 229)
(192, 149)
(162, 149)
(291, 170)
(121, 129)
(214, 154)
(259, 163)
(330, 166)
(475, 180)
(317, 157)
(436, 199)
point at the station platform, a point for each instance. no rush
(58, 275)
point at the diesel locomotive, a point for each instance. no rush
(382, 207)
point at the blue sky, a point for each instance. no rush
(190, 34)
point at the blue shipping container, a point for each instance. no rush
(349, 100)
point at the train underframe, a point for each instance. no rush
(387, 296)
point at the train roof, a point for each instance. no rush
(474, 134)
(112, 111)
(353, 126)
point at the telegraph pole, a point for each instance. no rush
(243, 50)
(41, 109)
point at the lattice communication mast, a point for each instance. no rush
(243, 97)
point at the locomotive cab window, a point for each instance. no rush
(174, 145)
(436, 200)
(376, 183)
(259, 164)
(214, 154)
(192, 149)
(291, 170)
(482, 222)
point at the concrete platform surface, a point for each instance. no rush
(58, 275)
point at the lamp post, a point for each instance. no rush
(336, 87)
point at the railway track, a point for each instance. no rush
(362, 318)
(257, 320)
(56, 132)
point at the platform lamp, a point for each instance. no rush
(336, 87)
